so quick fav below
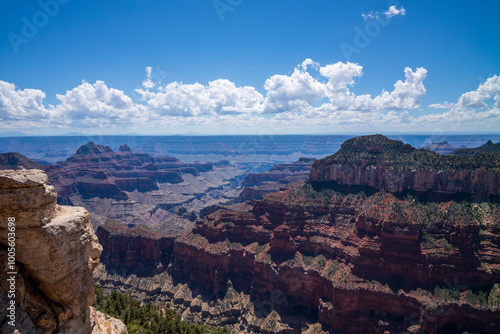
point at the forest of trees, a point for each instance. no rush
(378, 150)
(147, 318)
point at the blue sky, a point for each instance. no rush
(242, 66)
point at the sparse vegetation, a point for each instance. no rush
(489, 147)
(315, 262)
(446, 294)
(332, 268)
(494, 297)
(476, 299)
(260, 248)
(437, 243)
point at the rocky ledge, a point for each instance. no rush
(46, 261)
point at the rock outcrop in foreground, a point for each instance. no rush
(55, 253)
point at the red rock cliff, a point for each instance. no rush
(390, 165)
(480, 181)
(358, 259)
(138, 250)
(355, 263)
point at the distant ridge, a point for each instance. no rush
(14, 134)
(76, 134)
(442, 147)
(378, 150)
(92, 148)
(17, 161)
(124, 148)
(489, 147)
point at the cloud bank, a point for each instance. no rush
(311, 99)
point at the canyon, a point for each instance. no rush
(379, 238)
(257, 185)
(137, 188)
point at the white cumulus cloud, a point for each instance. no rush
(292, 93)
(97, 101)
(310, 99)
(218, 97)
(341, 74)
(17, 104)
(390, 12)
(478, 98)
(301, 91)
(406, 94)
(394, 11)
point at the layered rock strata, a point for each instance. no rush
(50, 257)
(384, 164)
(355, 258)
(354, 264)
(257, 185)
(137, 188)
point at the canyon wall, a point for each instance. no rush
(476, 182)
(350, 262)
(49, 259)
(390, 165)
(257, 185)
(139, 250)
(355, 249)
